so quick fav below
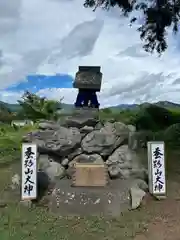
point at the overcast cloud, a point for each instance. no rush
(56, 36)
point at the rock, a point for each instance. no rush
(61, 142)
(140, 173)
(137, 195)
(123, 163)
(15, 181)
(133, 141)
(55, 170)
(117, 128)
(131, 128)
(70, 169)
(75, 153)
(93, 158)
(86, 129)
(51, 167)
(65, 162)
(80, 120)
(98, 126)
(114, 171)
(43, 161)
(139, 183)
(48, 125)
(99, 142)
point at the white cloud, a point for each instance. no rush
(55, 36)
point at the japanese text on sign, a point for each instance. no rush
(158, 168)
(29, 171)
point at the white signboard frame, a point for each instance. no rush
(156, 168)
(29, 171)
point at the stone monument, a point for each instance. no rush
(88, 81)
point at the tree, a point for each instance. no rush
(159, 15)
(6, 116)
(35, 107)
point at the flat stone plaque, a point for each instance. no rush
(90, 175)
(88, 77)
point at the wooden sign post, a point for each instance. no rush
(29, 171)
(156, 169)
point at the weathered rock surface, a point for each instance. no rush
(122, 162)
(60, 142)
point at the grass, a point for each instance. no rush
(10, 143)
(19, 222)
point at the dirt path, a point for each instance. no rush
(165, 216)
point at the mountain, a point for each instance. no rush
(68, 107)
(12, 107)
(165, 104)
(16, 107)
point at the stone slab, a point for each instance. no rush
(111, 200)
(90, 175)
(88, 80)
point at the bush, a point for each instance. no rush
(155, 118)
(172, 135)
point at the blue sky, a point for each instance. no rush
(35, 83)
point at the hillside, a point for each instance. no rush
(164, 104)
(68, 107)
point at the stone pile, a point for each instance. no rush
(82, 138)
(60, 146)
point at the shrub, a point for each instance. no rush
(155, 118)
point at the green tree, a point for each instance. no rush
(6, 115)
(35, 107)
(158, 16)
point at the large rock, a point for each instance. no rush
(105, 140)
(53, 169)
(80, 121)
(61, 142)
(122, 162)
(117, 128)
(99, 142)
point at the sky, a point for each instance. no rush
(43, 42)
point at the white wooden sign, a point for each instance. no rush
(29, 171)
(156, 168)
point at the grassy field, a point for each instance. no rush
(18, 222)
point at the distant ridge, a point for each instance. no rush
(67, 107)
(165, 104)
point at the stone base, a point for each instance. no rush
(81, 117)
(111, 200)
